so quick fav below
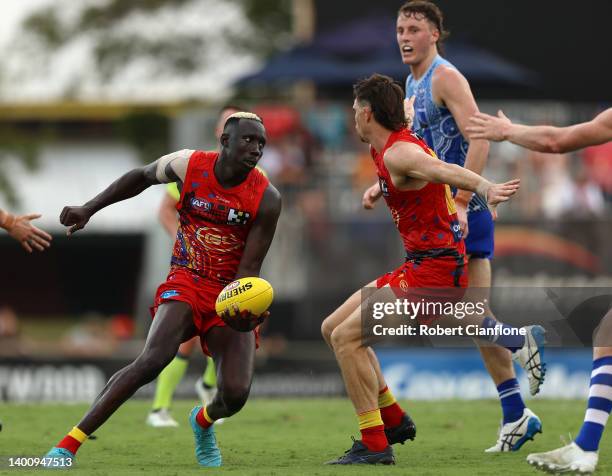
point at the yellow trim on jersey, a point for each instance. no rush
(450, 203)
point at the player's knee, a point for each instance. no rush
(340, 339)
(234, 397)
(150, 365)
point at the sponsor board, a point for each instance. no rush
(460, 374)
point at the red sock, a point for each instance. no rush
(392, 415)
(374, 438)
(390, 412)
(203, 419)
(70, 444)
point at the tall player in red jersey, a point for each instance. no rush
(415, 185)
(228, 213)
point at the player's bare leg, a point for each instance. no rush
(362, 385)
(172, 325)
(399, 427)
(497, 360)
(234, 356)
(581, 455)
(167, 381)
(519, 424)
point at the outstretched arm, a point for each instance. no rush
(20, 228)
(543, 138)
(409, 160)
(170, 168)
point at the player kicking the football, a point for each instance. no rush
(413, 182)
(581, 455)
(228, 213)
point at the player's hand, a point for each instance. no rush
(75, 217)
(501, 192)
(30, 237)
(462, 217)
(485, 126)
(370, 196)
(409, 110)
(243, 321)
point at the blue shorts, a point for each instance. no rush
(480, 240)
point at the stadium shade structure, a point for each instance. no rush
(368, 45)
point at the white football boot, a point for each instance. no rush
(161, 419)
(531, 357)
(515, 434)
(567, 459)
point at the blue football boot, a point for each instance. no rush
(206, 449)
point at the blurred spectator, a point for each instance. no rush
(93, 336)
(587, 198)
(327, 122)
(292, 169)
(9, 324)
(598, 161)
(364, 174)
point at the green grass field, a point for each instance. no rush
(288, 437)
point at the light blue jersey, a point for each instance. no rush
(438, 127)
(435, 123)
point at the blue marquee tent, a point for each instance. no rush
(367, 46)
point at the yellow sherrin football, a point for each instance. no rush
(249, 294)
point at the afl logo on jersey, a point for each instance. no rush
(200, 204)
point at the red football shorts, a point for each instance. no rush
(201, 294)
(429, 279)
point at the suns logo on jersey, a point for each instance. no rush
(214, 240)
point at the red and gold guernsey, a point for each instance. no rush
(426, 219)
(214, 222)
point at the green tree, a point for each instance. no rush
(175, 51)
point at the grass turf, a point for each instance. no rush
(288, 437)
